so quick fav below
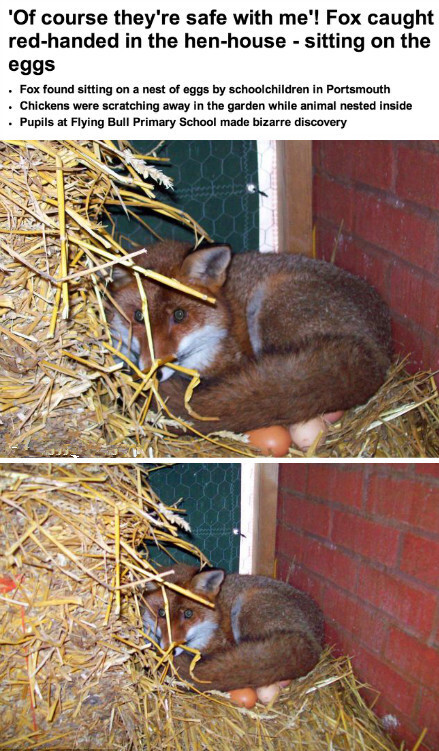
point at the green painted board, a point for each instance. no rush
(211, 180)
(211, 496)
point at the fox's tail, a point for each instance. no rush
(326, 374)
(280, 656)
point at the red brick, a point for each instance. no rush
(407, 604)
(368, 162)
(385, 679)
(428, 469)
(284, 566)
(431, 146)
(428, 716)
(416, 296)
(370, 539)
(327, 236)
(373, 267)
(336, 484)
(396, 229)
(404, 730)
(420, 559)
(414, 502)
(357, 257)
(420, 345)
(290, 544)
(306, 582)
(431, 355)
(319, 558)
(332, 564)
(410, 656)
(334, 637)
(418, 176)
(334, 202)
(361, 622)
(316, 150)
(304, 514)
(408, 341)
(293, 476)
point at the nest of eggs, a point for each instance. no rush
(62, 391)
(76, 669)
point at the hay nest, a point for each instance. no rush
(62, 390)
(76, 670)
(400, 420)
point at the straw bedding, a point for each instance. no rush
(76, 671)
(62, 392)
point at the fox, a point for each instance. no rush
(288, 338)
(260, 631)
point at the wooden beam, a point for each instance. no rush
(259, 483)
(265, 543)
(294, 169)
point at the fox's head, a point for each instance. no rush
(192, 623)
(189, 329)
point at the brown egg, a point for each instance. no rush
(243, 697)
(272, 441)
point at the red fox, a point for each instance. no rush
(289, 337)
(261, 630)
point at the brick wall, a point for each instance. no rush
(386, 193)
(364, 541)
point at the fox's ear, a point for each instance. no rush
(150, 586)
(208, 582)
(153, 584)
(207, 266)
(121, 275)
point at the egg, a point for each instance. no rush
(304, 434)
(333, 416)
(272, 441)
(243, 697)
(267, 694)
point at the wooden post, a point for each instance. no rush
(294, 168)
(258, 518)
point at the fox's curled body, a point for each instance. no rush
(260, 631)
(289, 337)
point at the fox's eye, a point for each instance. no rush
(188, 613)
(138, 316)
(179, 315)
(162, 612)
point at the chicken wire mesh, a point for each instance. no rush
(216, 182)
(210, 494)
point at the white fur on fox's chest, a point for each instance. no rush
(198, 349)
(198, 636)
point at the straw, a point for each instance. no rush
(63, 388)
(76, 669)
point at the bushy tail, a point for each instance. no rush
(281, 656)
(327, 374)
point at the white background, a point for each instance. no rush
(411, 74)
